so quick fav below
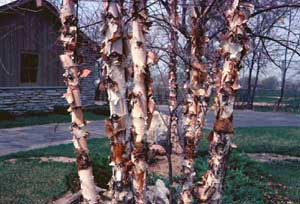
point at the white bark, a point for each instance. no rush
(235, 46)
(114, 53)
(195, 105)
(71, 77)
(141, 99)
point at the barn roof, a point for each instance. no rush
(14, 6)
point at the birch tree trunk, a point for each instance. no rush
(235, 46)
(114, 53)
(72, 78)
(195, 108)
(173, 87)
(141, 98)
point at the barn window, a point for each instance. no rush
(29, 67)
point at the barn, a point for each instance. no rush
(30, 69)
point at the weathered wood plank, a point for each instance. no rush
(38, 35)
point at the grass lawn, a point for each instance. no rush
(22, 121)
(291, 100)
(289, 109)
(272, 96)
(286, 176)
(279, 140)
(30, 181)
(248, 182)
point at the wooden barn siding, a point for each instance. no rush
(6, 57)
(37, 35)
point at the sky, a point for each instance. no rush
(2, 2)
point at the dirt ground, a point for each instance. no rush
(161, 168)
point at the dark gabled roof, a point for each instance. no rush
(19, 5)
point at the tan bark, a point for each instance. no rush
(72, 79)
(173, 86)
(195, 109)
(141, 98)
(114, 53)
(235, 46)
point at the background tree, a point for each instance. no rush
(270, 83)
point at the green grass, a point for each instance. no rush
(31, 182)
(291, 100)
(279, 140)
(21, 121)
(65, 150)
(249, 181)
(271, 94)
(285, 109)
(251, 177)
(287, 175)
(244, 182)
(274, 99)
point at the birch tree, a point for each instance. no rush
(173, 86)
(114, 53)
(72, 77)
(198, 93)
(142, 103)
(235, 47)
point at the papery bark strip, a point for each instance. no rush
(142, 103)
(235, 46)
(195, 107)
(72, 78)
(114, 54)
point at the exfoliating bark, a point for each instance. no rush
(197, 97)
(235, 46)
(141, 98)
(72, 77)
(114, 53)
(173, 86)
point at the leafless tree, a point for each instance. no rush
(72, 75)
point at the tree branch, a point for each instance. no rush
(273, 8)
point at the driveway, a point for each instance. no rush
(249, 118)
(31, 137)
(24, 138)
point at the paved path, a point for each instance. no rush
(248, 118)
(23, 138)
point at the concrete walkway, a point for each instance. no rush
(31, 137)
(249, 118)
(24, 138)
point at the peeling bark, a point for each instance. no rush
(195, 107)
(72, 79)
(235, 46)
(173, 86)
(172, 136)
(142, 103)
(114, 53)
